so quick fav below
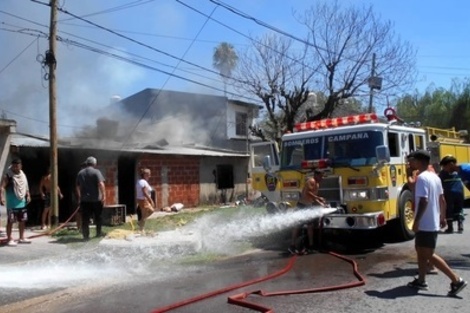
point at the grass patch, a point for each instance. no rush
(166, 222)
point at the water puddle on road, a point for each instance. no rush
(136, 257)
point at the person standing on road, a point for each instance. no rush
(308, 199)
(91, 196)
(45, 189)
(15, 186)
(462, 169)
(430, 215)
(412, 175)
(146, 205)
(453, 192)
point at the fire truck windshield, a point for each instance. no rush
(343, 149)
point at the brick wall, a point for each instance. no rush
(174, 178)
(108, 168)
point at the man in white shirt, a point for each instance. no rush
(430, 216)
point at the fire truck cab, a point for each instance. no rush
(365, 161)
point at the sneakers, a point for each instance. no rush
(24, 241)
(416, 284)
(449, 231)
(292, 250)
(309, 249)
(457, 287)
(11, 243)
(302, 251)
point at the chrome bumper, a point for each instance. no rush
(353, 221)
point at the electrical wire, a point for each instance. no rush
(18, 55)
(164, 84)
(244, 35)
(114, 9)
(141, 43)
(124, 59)
(30, 31)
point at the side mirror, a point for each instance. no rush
(267, 165)
(383, 154)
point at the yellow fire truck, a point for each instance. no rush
(364, 158)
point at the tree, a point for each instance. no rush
(334, 60)
(271, 71)
(461, 113)
(438, 107)
(224, 60)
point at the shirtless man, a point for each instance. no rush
(45, 188)
(308, 198)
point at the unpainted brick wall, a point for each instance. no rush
(183, 178)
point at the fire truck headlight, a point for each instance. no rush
(352, 195)
(379, 193)
(290, 196)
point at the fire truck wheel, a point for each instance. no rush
(403, 225)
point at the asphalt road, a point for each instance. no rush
(135, 280)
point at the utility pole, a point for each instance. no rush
(52, 63)
(371, 92)
(247, 126)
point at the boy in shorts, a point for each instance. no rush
(430, 216)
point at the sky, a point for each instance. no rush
(168, 44)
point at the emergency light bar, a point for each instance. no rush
(314, 164)
(337, 121)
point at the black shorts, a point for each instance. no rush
(426, 239)
(47, 200)
(17, 215)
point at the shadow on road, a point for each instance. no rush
(400, 292)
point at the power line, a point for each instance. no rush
(30, 31)
(164, 84)
(140, 43)
(18, 55)
(114, 9)
(124, 59)
(266, 25)
(242, 34)
(446, 68)
(37, 120)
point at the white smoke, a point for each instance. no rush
(85, 80)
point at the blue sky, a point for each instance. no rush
(161, 32)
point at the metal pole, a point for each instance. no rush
(248, 119)
(372, 74)
(51, 60)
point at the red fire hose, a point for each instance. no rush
(239, 299)
(48, 232)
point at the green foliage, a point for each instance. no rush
(166, 222)
(438, 107)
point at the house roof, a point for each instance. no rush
(26, 140)
(246, 104)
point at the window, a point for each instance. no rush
(241, 120)
(224, 176)
(411, 140)
(419, 142)
(393, 144)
